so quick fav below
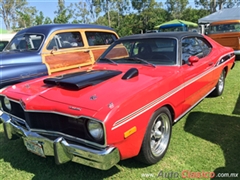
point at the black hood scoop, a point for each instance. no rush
(79, 80)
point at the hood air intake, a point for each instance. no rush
(79, 80)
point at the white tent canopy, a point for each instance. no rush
(6, 37)
(224, 14)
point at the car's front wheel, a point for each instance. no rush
(157, 137)
(220, 85)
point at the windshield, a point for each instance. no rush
(25, 42)
(157, 51)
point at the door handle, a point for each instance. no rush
(86, 51)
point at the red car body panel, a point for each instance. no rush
(123, 105)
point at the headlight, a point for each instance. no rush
(7, 103)
(95, 129)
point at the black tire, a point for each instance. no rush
(219, 88)
(157, 137)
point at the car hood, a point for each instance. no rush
(93, 88)
(17, 57)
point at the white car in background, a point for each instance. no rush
(5, 39)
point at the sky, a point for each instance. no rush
(46, 6)
(49, 6)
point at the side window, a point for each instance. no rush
(206, 47)
(191, 47)
(100, 38)
(66, 40)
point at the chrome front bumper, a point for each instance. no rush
(62, 150)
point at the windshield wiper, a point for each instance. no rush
(142, 60)
(109, 60)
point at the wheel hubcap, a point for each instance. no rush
(160, 134)
(221, 82)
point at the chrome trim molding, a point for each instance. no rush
(237, 52)
(62, 150)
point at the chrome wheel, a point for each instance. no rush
(219, 88)
(160, 134)
(157, 137)
(221, 82)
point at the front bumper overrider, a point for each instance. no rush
(62, 150)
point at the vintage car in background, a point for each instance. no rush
(3, 44)
(227, 33)
(46, 49)
(5, 39)
(121, 107)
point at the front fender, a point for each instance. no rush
(12, 74)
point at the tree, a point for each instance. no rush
(193, 15)
(26, 17)
(8, 11)
(140, 5)
(211, 5)
(175, 8)
(81, 13)
(148, 13)
(39, 19)
(122, 8)
(47, 20)
(103, 6)
(63, 14)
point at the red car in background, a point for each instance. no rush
(121, 107)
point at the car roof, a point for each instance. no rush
(177, 35)
(47, 29)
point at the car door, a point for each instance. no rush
(65, 50)
(197, 76)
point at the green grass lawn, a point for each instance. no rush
(205, 140)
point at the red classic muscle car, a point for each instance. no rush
(122, 106)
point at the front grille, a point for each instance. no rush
(52, 122)
(56, 122)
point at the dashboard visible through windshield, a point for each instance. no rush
(159, 51)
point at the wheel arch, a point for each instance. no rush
(170, 108)
(226, 70)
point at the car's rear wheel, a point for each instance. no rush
(220, 85)
(157, 137)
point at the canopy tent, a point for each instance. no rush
(177, 21)
(224, 14)
(6, 35)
